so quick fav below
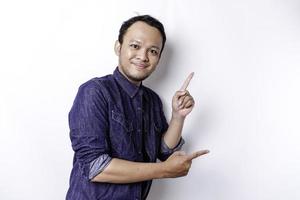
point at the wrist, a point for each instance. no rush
(177, 117)
(162, 170)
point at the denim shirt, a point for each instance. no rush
(113, 118)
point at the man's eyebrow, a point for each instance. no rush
(156, 47)
(135, 41)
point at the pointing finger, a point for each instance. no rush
(187, 81)
(197, 154)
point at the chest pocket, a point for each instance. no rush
(121, 131)
(121, 120)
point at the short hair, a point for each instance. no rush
(151, 21)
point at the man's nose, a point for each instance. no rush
(142, 55)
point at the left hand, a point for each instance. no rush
(182, 102)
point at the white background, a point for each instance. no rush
(246, 59)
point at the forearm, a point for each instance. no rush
(123, 171)
(173, 134)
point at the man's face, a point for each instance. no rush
(139, 54)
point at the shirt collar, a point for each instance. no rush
(130, 88)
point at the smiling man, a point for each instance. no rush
(117, 126)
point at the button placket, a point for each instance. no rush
(139, 125)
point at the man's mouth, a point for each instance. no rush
(141, 65)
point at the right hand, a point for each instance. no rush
(179, 164)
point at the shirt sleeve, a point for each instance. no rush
(165, 150)
(88, 121)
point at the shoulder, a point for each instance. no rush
(97, 83)
(95, 88)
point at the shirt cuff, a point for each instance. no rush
(164, 149)
(98, 165)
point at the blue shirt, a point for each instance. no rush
(113, 118)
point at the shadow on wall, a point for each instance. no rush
(202, 120)
(156, 80)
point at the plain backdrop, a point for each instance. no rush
(246, 59)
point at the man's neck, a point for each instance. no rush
(137, 83)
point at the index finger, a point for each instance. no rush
(197, 154)
(187, 81)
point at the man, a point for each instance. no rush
(117, 125)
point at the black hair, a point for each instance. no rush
(151, 21)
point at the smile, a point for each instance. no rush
(140, 65)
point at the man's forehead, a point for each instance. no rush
(142, 32)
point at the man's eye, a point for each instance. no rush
(154, 52)
(135, 46)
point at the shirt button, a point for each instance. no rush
(140, 152)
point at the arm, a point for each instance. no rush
(123, 171)
(172, 136)
(182, 105)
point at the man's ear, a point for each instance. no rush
(117, 48)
